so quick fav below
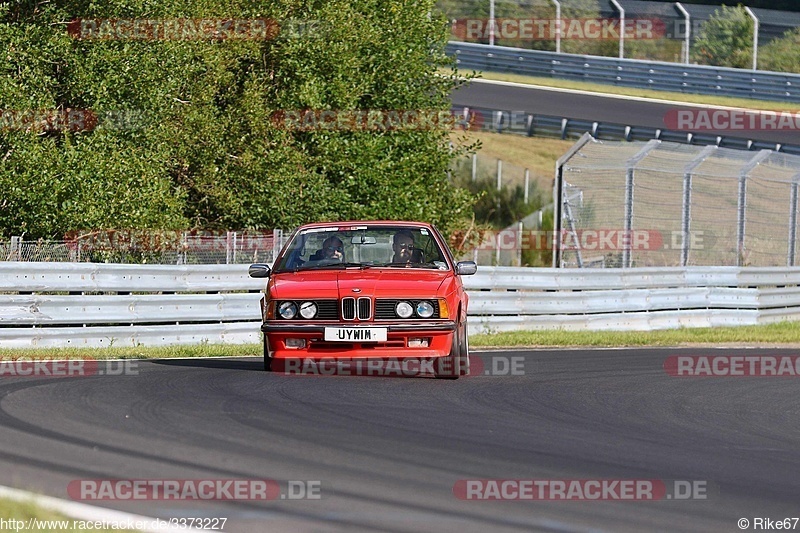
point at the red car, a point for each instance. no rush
(374, 298)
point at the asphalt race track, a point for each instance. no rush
(594, 107)
(389, 451)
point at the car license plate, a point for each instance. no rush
(355, 334)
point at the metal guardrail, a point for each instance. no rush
(660, 76)
(34, 312)
(521, 123)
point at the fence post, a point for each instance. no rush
(16, 249)
(621, 28)
(742, 202)
(628, 220)
(687, 37)
(276, 243)
(474, 167)
(686, 215)
(527, 183)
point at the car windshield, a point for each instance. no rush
(362, 246)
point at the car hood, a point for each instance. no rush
(383, 283)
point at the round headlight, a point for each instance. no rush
(403, 309)
(425, 309)
(287, 310)
(308, 309)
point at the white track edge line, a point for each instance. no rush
(617, 96)
(83, 511)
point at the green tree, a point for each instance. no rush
(726, 39)
(197, 146)
(781, 55)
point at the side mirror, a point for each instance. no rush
(259, 270)
(466, 268)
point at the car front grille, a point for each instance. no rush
(326, 310)
(352, 308)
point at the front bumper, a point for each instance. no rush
(437, 334)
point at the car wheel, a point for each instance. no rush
(448, 367)
(267, 358)
(464, 366)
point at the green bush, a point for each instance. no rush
(198, 146)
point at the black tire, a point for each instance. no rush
(449, 367)
(267, 358)
(464, 366)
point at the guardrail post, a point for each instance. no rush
(530, 126)
(498, 121)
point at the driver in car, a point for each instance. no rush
(332, 248)
(403, 247)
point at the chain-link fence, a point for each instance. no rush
(512, 200)
(662, 31)
(175, 248)
(668, 204)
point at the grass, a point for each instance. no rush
(538, 154)
(47, 520)
(642, 93)
(138, 352)
(783, 333)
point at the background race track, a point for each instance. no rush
(388, 451)
(594, 107)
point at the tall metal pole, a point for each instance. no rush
(688, 36)
(621, 28)
(755, 36)
(792, 221)
(491, 22)
(558, 26)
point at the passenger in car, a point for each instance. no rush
(332, 248)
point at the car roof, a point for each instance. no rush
(365, 222)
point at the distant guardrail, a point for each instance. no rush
(529, 124)
(660, 76)
(44, 305)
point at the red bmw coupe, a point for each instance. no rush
(374, 298)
